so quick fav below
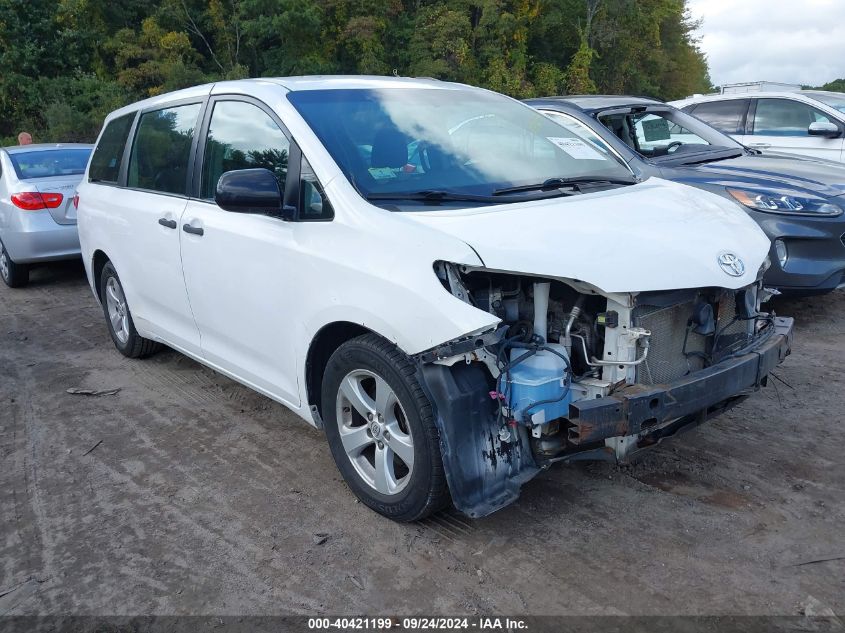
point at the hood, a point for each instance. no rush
(656, 235)
(770, 170)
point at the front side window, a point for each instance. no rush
(105, 163)
(50, 163)
(416, 141)
(162, 148)
(785, 117)
(725, 116)
(665, 133)
(242, 136)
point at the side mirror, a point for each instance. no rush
(251, 191)
(825, 129)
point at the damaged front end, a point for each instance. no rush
(572, 373)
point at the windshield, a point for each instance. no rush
(835, 101)
(666, 134)
(468, 142)
(576, 127)
(50, 162)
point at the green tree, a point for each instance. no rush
(64, 64)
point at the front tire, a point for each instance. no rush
(119, 319)
(381, 431)
(13, 275)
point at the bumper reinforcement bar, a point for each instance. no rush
(638, 408)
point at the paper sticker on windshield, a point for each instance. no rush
(576, 148)
(382, 173)
(656, 129)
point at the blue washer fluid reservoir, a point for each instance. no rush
(541, 376)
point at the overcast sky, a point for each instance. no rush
(793, 41)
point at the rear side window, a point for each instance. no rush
(725, 116)
(162, 147)
(105, 163)
(242, 136)
(50, 163)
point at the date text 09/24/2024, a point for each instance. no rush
(418, 623)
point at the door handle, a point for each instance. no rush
(193, 230)
(170, 224)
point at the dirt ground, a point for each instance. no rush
(186, 493)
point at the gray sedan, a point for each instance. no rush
(38, 206)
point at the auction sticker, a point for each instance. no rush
(576, 148)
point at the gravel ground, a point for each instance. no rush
(186, 493)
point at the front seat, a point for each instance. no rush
(390, 149)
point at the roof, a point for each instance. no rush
(38, 147)
(830, 93)
(788, 94)
(339, 82)
(590, 103)
(293, 84)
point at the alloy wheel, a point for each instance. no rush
(118, 313)
(374, 431)
(4, 264)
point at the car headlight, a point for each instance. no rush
(784, 203)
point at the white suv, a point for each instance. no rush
(459, 291)
(810, 122)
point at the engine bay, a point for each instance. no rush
(561, 344)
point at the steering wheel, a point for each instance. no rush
(673, 146)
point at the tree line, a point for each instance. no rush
(64, 64)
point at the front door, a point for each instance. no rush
(239, 267)
(781, 125)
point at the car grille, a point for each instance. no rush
(669, 340)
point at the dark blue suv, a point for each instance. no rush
(797, 200)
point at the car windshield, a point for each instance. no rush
(406, 142)
(50, 162)
(577, 127)
(666, 134)
(837, 102)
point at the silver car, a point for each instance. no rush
(38, 206)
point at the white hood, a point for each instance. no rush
(656, 235)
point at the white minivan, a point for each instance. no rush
(456, 289)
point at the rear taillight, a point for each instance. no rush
(33, 201)
(76, 201)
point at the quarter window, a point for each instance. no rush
(162, 148)
(725, 116)
(784, 117)
(313, 203)
(105, 163)
(242, 136)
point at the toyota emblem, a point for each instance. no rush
(732, 264)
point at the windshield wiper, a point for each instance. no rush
(710, 156)
(431, 195)
(561, 183)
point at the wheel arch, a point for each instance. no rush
(98, 261)
(327, 339)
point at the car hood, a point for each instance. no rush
(656, 235)
(769, 171)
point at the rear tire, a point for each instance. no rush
(381, 431)
(13, 275)
(119, 319)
